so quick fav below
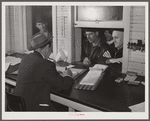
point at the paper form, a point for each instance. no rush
(138, 107)
(12, 60)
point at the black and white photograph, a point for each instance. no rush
(75, 60)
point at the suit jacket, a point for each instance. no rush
(37, 77)
(117, 66)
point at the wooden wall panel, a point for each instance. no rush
(64, 29)
(137, 31)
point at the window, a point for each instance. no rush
(100, 13)
(15, 29)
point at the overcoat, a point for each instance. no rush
(37, 77)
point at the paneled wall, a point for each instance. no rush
(136, 62)
(63, 30)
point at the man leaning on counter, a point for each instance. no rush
(37, 76)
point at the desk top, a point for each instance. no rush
(108, 96)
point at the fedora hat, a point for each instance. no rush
(39, 40)
(40, 19)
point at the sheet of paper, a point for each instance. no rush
(12, 60)
(15, 72)
(6, 66)
(100, 66)
(138, 107)
(75, 71)
(59, 68)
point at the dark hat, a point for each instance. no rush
(39, 19)
(39, 40)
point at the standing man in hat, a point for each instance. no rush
(37, 76)
(94, 47)
(42, 25)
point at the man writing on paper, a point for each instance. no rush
(116, 60)
(37, 76)
(94, 47)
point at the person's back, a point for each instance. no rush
(29, 81)
(36, 78)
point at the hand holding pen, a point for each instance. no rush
(67, 72)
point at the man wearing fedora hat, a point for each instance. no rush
(41, 24)
(37, 76)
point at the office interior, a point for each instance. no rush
(66, 24)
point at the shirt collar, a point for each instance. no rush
(42, 55)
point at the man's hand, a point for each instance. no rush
(86, 61)
(116, 60)
(107, 54)
(67, 72)
(110, 42)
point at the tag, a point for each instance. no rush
(133, 82)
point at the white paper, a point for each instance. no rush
(138, 107)
(15, 72)
(100, 66)
(12, 60)
(6, 66)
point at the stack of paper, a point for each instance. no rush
(130, 78)
(91, 78)
(94, 74)
(75, 71)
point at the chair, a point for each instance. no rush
(15, 103)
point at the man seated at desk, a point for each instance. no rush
(116, 61)
(94, 47)
(37, 76)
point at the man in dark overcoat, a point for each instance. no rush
(37, 76)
